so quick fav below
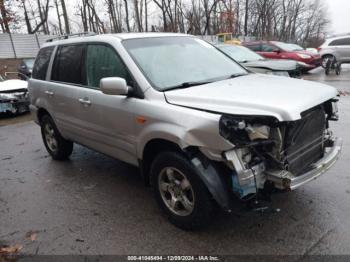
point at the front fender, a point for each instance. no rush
(165, 131)
(214, 182)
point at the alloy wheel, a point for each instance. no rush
(50, 137)
(176, 191)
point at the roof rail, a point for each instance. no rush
(61, 37)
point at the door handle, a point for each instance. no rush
(49, 93)
(84, 102)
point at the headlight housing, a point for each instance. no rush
(303, 56)
(245, 130)
(7, 98)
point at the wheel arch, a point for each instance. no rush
(327, 55)
(41, 112)
(150, 150)
(210, 172)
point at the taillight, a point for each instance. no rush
(319, 49)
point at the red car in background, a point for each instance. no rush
(278, 50)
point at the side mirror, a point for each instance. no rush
(276, 50)
(114, 86)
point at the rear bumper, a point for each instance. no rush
(286, 181)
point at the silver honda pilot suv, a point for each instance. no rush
(200, 127)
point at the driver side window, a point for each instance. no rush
(268, 48)
(102, 61)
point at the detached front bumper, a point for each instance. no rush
(285, 180)
(16, 107)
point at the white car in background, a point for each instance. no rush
(13, 95)
(337, 48)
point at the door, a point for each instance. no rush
(67, 82)
(343, 49)
(39, 79)
(270, 51)
(108, 120)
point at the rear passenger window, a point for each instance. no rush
(343, 41)
(102, 61)
(256, 47)
(42, 62)
(267, 48)
(68, 64)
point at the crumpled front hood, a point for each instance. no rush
(275, 65)
(255, 94)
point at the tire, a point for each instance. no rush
(194, 206)
(338, 69)
(58, 147)
(324, 60)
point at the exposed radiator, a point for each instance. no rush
(304, 141)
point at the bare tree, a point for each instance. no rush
(138, 14)
(5, 17)
(127, 22)
(58, 17)
(65, 16)
(42, 16)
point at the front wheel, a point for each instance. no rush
(180, 192)
(58, 147)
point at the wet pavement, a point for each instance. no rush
(93, 204)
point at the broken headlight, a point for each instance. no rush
(7, 98)
(243, 131)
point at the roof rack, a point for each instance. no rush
(61, 37)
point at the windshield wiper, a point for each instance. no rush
(186, 85)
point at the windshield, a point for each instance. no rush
(168, 62)
(288, 47)
(240, 53)
(29, 62)
(296, 47)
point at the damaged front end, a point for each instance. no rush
(285, 155)
(14, 101)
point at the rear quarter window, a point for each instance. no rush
(42, 62)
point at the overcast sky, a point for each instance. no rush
(339, 15)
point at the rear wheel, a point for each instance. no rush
(180, 192)
(58, 147)
(325, 59)
(338, 69)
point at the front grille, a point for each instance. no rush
(304, 141)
